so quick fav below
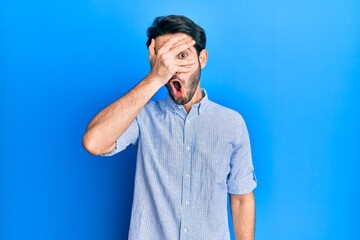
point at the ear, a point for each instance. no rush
(203, 57)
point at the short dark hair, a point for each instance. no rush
(177, 24)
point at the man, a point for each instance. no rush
(191, 151)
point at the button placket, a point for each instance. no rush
(186, 176)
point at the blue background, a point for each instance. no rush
(291, 68)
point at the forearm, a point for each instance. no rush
(108, 125)
(243, 217)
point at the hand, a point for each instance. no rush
(165, 63)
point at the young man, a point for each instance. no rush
(191, 151)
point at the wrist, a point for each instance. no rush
(155, 80)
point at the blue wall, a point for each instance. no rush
(292, 68)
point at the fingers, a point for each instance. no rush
(180, 48)
(184, 62)
(180, 69)
(172, 41)
(181, 65)
(165, 61)
(185, 40)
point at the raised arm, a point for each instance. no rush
(108, 125)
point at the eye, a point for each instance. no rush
(183, 55)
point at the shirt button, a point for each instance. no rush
(187, 121)
(187, 202)
(187, 175)
(185, 230)
(188, 147)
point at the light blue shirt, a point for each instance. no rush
(186, 165)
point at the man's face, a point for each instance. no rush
(182, 86)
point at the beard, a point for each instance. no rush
(191, 88)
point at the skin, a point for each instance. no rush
(189, 80)
(243, 215)
(172, 58)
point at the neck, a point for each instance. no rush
(195, 99)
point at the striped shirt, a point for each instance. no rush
(187, 163)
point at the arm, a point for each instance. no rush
(104, 129)
(110, 123)
(243, 215)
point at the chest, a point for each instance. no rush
(202, 142)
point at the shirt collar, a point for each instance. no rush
(200, 106)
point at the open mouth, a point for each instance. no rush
(176, 87)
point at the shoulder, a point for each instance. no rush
(152, 108)
(227, 114)
(231, 121)
(228, 121)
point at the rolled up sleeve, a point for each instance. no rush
(241, 179)
(130, 136)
